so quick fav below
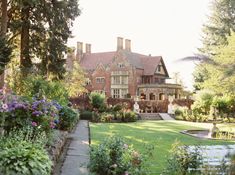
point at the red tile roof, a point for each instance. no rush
(90, 61)
(148, 63)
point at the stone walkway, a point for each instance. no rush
(166, 116)
(214, 155)
(77, 157)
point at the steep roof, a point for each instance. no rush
(148, 63)
(90, 61)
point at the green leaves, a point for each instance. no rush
(24, 159)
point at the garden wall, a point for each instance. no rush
(157, 106)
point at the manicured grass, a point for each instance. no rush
(161, 134)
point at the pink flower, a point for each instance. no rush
(125, 146)
(34, 124)
(126, 173)
(4, 106)
(52, 125)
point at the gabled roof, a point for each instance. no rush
(147, 63)
(150, 63)
(90, 61)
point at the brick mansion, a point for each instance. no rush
(123, 73)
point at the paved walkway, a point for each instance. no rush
(166, 116)
(77, 157)
(214, 155)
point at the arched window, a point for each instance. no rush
(143, 96)
(161, 96)
(151, 96)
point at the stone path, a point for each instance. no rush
(166, 116)
(213, 155)
(77, 157)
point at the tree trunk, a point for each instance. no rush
(25, 61)
(4, 20)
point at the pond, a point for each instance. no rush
(207, 134)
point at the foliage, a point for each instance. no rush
(75, 81)
(37, 85)
(219, 25)
(68, 118)
(17, 112)
(5, 53)
(114, 156)
(216, 34)
(97, 100)
(106, 117)
(221, 73)
(86, 115)
(162, 134)
(25, 158)
(43, 29)
(224, 106)
(203, 101)
(183, 161)
(127, 116)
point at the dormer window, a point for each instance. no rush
(121, 65)
(159, 68)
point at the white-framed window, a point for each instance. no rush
(119, 93)
(121, 79)
(116, 80)
(100, 79)
(116, 93)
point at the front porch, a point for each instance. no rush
(159, 91)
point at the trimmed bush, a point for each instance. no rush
(68, 118)
(86, 115)
(128, 116)
(97, 101)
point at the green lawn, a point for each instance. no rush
(162, 134)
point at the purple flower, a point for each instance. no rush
(37, 113)
(34, 124)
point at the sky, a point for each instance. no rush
(167, 28)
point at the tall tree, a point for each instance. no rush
(222, 75)
(44, 27)
(5, 49)
(220, 25)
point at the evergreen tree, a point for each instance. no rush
(220, 25)
(44, 28)
(5, 49)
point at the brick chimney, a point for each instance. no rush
(119, 43)
(70, 58)
(127, 45)
(79, 51)
(88, 48)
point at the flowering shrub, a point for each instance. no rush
(44, 114)
(115, 157)
(68, 118)
(16, 112)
